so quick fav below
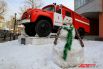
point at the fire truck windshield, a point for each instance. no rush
(49, 8)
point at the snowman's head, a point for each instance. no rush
(65, 32)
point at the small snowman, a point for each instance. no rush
(68, 52)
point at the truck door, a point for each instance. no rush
(67, 17)
(58, 17)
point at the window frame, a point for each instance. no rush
(47, 7)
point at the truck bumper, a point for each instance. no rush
(25, 21)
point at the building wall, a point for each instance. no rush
(89, 6)
(101, 25)
(79, 3)
(93, 10)
(2, 24)
(102, 5)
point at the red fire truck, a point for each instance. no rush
(50, 18)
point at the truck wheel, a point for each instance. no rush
(43, 28)
(81, 32)
(30, 29)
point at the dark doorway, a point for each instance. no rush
(94, 26)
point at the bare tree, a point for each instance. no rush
(34, 3)
(23, 9)
(3, 5)
(30, 4)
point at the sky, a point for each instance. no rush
(13, 6)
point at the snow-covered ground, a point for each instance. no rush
(16, 56)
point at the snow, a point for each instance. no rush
(74, 57)
(94, 53)
(16, 56)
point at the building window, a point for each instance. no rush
(79, 3)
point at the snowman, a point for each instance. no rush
(67, 51)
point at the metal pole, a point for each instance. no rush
(14, 26)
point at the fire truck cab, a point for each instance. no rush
(50, 18)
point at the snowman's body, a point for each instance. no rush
(74, 56)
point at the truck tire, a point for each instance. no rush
(30, 29)
(43, 28)
(81, 32)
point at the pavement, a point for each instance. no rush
(93, 37)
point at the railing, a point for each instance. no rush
(5, 36)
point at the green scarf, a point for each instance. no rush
(68, 42)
